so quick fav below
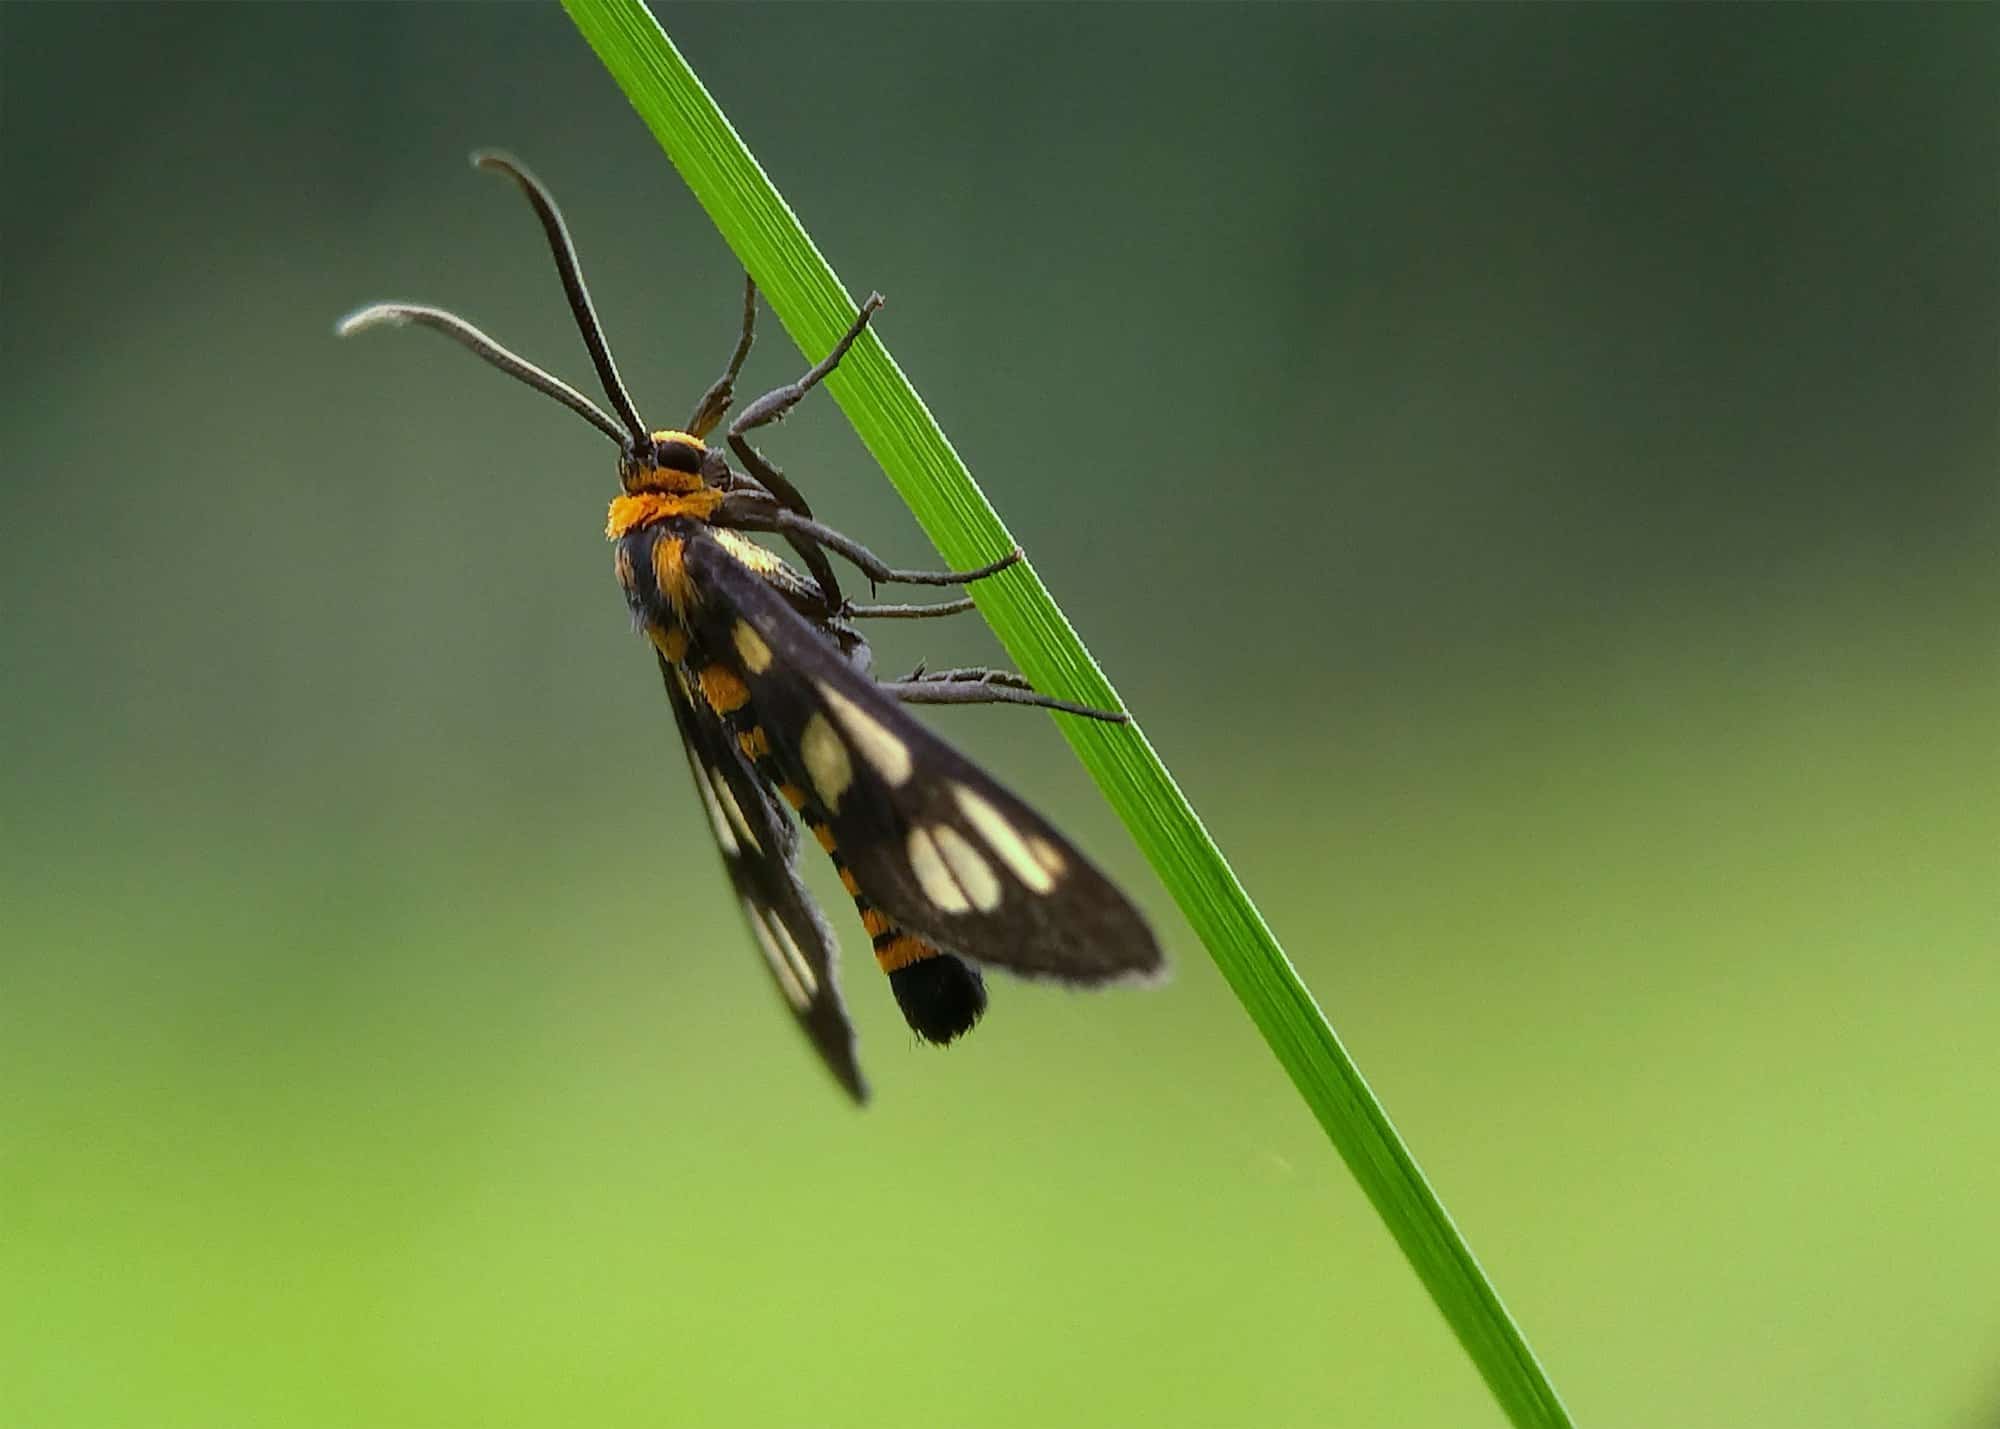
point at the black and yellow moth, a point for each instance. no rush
(780, 715)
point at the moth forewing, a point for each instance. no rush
(930, 837)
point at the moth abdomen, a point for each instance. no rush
(942, 997)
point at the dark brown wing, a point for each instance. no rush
(932, 840)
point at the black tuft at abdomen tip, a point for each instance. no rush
(942, 997)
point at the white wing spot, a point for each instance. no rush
(933, 876)
(750, 645)
(889, 755)
(974, 874)
(1047, 855)
(826, 760)
(724, 835)
(795, 978)
(800, 967)
(727, 798)
(1007, 844)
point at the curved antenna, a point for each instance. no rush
(564, 253)
(465, 334)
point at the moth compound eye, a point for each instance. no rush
(678, 454)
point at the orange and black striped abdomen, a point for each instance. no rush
(942, 997)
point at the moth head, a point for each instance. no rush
(670, 461)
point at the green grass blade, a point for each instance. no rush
(899, 430)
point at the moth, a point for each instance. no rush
(784, 722)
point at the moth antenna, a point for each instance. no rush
(564, 252)
(471, 338)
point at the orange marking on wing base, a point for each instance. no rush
(671, 642)
(900, 952)
(875, 923)
(723, 688)
(794, 795)
(825, 836)
(670, 570)
(642, 508)
(850, 883)
(754, 743)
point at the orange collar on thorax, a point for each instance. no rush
(635, 509)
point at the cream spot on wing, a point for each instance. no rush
(889, 755)
(724, 835)
(747, 551)
(1047, 855)
(783, 957)
(750, 645)
(1007, 844)
(974, 874)
(790, 946)
(935, 879)
(826, 760)
(727, 797)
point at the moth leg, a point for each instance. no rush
(772, 406)
(715, 401)
(746, 513)
(987, 687)
(730, 480)
(908, 612)
(767, 483)
(975, 673)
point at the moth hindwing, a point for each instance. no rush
(759, 845)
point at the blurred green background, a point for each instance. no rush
(1531, 469)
